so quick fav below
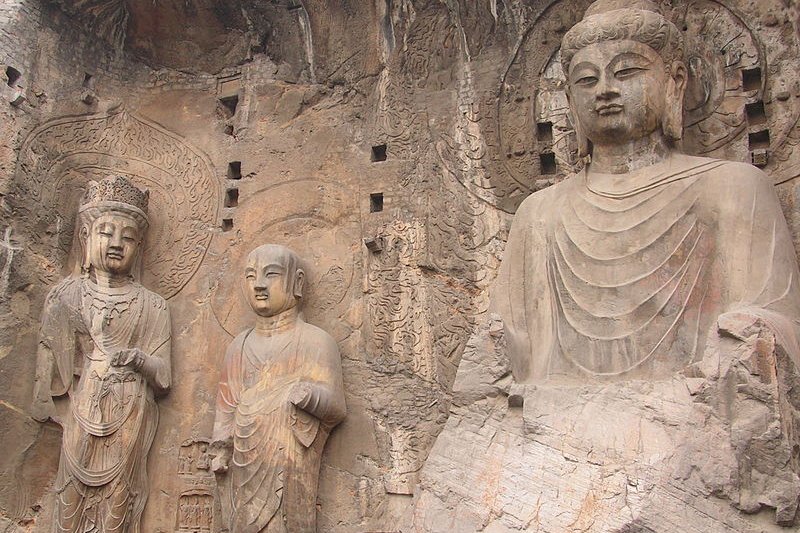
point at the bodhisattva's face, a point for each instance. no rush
(617, 91)
(267, 287)
(113, 242)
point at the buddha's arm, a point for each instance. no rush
(758, 261)
(758, 255)
(520, 293)
(53, 368)
(323, 397)
(43, 407)
(156, 365)
(227, 397)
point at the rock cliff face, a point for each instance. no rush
(389, 143)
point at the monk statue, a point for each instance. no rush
(104, 353)
(280, 394)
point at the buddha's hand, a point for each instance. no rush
(132, 358)
(300, 394)
(220, 453)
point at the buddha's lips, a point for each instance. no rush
(262, 296)
(608, 109)
(114, 255)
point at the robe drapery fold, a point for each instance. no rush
(629, 282)
(102, 479)
(277, 446)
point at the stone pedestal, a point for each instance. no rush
(689, 454)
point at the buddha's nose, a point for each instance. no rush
(116, 241)
(607, 87)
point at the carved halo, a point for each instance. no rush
(59, 158)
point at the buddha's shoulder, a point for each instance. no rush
(318, 337)
(547, 197)
(66, 291)
(152, 298)
(723, 173)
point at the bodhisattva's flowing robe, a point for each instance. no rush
(630, 282)
(102, 478)
(277, 446)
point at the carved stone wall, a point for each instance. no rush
(391, 153)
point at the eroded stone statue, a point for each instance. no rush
(105, 344)
(280, 394)
(627, 265)
(650, 308)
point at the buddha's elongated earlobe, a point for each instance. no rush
(584, 148)
(83, 240)
(672, 121)
(299, 282)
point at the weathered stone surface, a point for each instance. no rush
(650, 311)
(687, 454)
(303, 95)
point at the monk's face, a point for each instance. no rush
(617, 91)
(267, 284)
(114, 239)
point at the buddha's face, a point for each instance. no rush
(618, 91)
(113, 242)
(267, 284)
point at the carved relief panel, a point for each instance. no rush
(60, 157)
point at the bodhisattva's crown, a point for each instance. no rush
(117, 189)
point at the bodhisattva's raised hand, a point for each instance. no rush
(132, 358)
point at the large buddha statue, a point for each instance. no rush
(280, 394)
(623, 269)
(104, 346)
(641, 372)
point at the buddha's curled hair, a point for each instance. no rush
(636, 23)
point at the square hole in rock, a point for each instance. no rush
(547, 163)
(751, 79)
(231, 197)
(376, 202)
(378, 153)
(759, 140)
(229, 104)
(235, 170)
(544, 132)
(756, 114)
(227, 224)
(13, 76)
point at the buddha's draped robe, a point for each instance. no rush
(629, 282)
(277, 446)
(101, 485)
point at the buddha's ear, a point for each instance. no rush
(584, 148)
(672, 121)
(83, 241)
(299, 283)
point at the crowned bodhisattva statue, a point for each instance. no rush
(280, 394)
(104, 345)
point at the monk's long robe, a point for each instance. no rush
(102, 478)
(629, 282)
(277, 446)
